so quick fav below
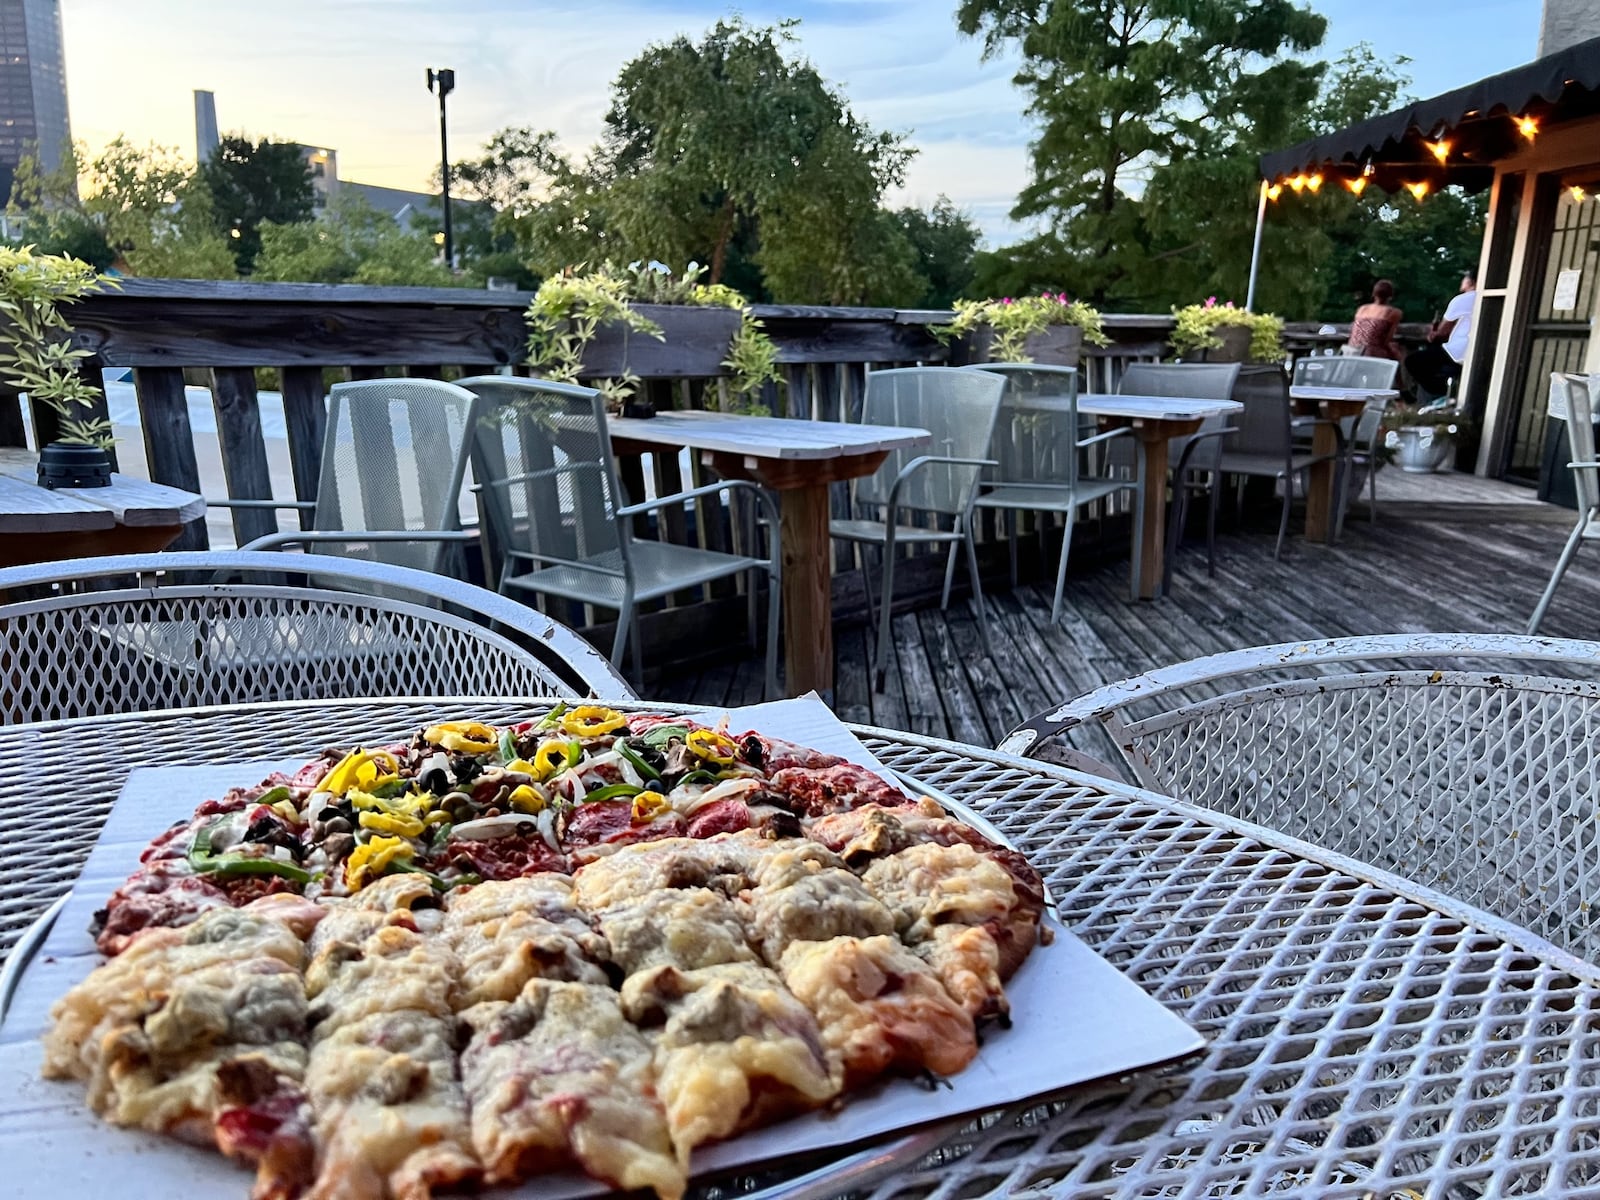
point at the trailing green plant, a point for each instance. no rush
(36, 354)
(1196, 327)
(569, 309)
(1013, 320)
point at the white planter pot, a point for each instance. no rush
(1422, 449)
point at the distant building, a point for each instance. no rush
(206, 137)
(326, 185)
(33, 86)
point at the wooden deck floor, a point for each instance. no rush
(1479, 568)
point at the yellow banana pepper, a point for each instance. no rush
(551, 759)
(591, 720)
(469, 737)
(712, 746)
(526, 799)
(359, 768)
(395, 823)
(371, 860)
(647, 806)
(412, 804)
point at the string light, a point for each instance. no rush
(1418, 190)
(1274, 191)
(1528, 127)
(1314, 182)
(1439, 149)
(1577, 194)
(1356, 185)
(1297, 183)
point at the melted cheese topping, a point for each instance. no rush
(688, 928)
(928, 885)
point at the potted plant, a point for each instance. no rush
(1049, 328)
(1423, 439)
(1213, 332)
(36, 357)
(583, 325)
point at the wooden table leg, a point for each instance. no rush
(1152, 533)
(1320, 500)
(807, 590)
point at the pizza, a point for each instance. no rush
(590, 941)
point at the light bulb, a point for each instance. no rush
(1528, 127)
(1298, 182)
(1439, 149)
(1274, 191)
(1418, 190)
(1314, 182)
(1356, 185)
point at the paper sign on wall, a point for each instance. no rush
(1566, 298)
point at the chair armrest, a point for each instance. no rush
(1196, 439)
(302, 505)
(769, 509)
(927, 460)
(274, 540)
(1577, 465)
(1124, 431)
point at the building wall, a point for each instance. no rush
(33, 85)
(1566, 23)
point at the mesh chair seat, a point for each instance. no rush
(877, 532)
(1044, 497)
(1236, 462)
(658, 568)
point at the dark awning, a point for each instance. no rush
(1480, 122)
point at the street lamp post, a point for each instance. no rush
(445, 78)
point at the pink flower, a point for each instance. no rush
(1006, 300)
(1211, 301)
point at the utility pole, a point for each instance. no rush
(446, 80)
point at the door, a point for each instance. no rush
(1556, 326)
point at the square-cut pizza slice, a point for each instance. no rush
(199, 1033)
(687, 928)
(734, 1049)
(388, 1109)
(880, 1008)
(803, 893)
(558, 1077)
(506, 932)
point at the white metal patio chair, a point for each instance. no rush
(1195, 463)
(1043, 447)
(1263, 443)
(1573, 397)
(959, 408)
(551, 501)
(1467, 762)
(1361, 433)
(393, 459)
(142, 632)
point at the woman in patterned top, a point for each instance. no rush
(1372, 331)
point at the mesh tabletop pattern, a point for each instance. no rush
(1368, 1038)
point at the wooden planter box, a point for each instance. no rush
(1057, 346)
(696, 344)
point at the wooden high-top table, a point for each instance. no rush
(1336, 404)
(798, 460)
(1155, 421)
(132, 516)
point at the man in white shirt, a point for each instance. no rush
(1439, 362)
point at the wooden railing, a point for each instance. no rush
(306, 335)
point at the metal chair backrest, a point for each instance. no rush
(1572, 398)
(1351, 371)
(1264, 427)
(163, 632)
(1036, 438)
(959, 408)
(393, 458)
(542, 463)
(1198, 381)
(1466, 762)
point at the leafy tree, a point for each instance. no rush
(944, 241)
(252, 182)
(136, 208)
(1120, 86)
(352, 242)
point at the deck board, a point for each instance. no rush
(1478, 570)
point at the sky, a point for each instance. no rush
(349, 74)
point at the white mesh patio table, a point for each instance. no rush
(1367, 1037)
